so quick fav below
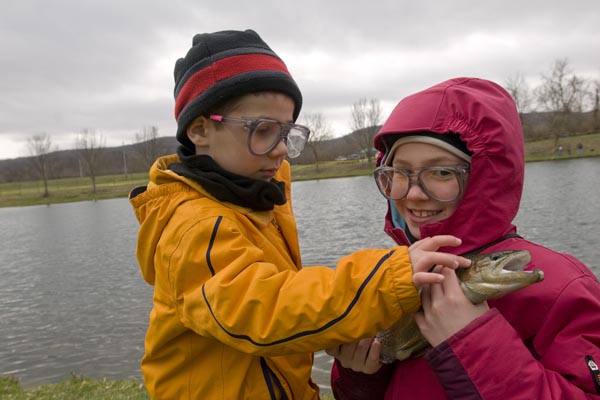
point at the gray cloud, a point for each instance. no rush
(107, 65)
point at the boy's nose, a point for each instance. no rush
(279, 150)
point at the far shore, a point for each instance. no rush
(19, 194)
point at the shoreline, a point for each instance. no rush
(69, 190)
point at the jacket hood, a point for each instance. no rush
(153, 206)
(485, 117)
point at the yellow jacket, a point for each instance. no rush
(235, 316)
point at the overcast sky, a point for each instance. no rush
(107, 65)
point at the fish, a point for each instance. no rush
(490, 276)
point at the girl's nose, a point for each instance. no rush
(415, 192)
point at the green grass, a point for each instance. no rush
(77, 388)
(16, 194)
(67, 190)
(543, 150)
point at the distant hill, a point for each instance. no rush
(130, 158)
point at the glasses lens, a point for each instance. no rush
(264, 137)
(383, 179)
(296, 140)
(439, 183)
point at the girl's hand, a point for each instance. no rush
(445, 309)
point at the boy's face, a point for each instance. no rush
(228, 144)
(417, 208)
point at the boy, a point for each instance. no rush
(234, 314)
(453, 164)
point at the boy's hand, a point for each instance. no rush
(424, 256)
(360, 356)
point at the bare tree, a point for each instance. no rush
(561, 93)
(146, 145)
(40, 147)
(520, 92)
(596, 106)
(319, 132)
(90, 146)
(366, 117)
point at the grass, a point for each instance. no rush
(76, 388)
(68, 190)
(543, 150)
(112, 186)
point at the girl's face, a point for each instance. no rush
(417, 208)
(228, 144)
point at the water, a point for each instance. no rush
(72, 299)
(71, 296)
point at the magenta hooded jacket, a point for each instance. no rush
(542, 342)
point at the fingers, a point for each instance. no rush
(426, 280)
(450, 281)
(366, 356)
(360, 356)
(419, 317)
(422, 279)
(424, 255)
(438, 291)
(435, 242)
(422, 261)
(375, 352)
(444, 308)
(346, 354)
(333, 351)
(373, 363)
(361, 352)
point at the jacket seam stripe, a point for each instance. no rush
(211, 243)
(305, 333)
(267, 376)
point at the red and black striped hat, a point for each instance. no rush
(223, 65)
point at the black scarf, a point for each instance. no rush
(227, 186)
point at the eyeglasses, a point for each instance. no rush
(264, 134)
(443, 184)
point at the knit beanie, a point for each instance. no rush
(449, 141)
(223, 65)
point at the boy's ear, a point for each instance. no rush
(197, 131)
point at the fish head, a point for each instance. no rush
(495, 274)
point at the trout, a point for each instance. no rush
(490, 276)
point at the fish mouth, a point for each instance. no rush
(516, 262)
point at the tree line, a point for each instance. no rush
(564, 103)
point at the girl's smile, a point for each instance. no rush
(417, 208)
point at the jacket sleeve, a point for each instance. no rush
(488, 359)
(225, 290)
